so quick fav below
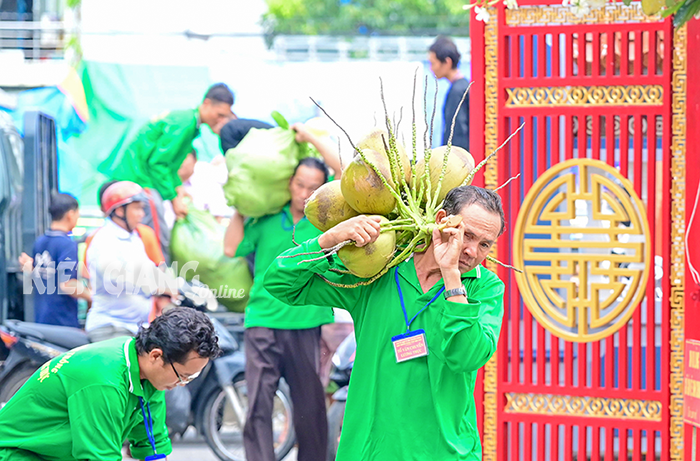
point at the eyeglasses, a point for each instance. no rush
(186, 380)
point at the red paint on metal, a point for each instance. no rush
(692, 171)
(591, 55)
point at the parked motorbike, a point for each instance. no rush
(215, 403)
(343, 360)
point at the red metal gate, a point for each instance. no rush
(611, 87)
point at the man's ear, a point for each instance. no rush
(441, 213)
(155, 354)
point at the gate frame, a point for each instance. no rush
(685, 178)
(692, 182)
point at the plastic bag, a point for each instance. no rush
(200, 238)
(260, 168)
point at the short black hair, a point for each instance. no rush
(178, 332)
(102, 190)
(60, 205)
(313, 162)
(462, 196)
(445, 48)
(193, 153)
(220, 92)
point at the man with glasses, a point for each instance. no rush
(84, 403)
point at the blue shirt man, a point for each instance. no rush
(54, 268)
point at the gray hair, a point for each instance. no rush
(462, 196)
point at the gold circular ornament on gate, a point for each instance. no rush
(582, 239)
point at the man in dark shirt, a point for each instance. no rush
(54, 268)
(444, 61)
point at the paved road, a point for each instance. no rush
(192, 447)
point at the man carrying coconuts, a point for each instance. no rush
(423, 329)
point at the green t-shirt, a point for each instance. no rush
(269, 237)
(81, 406)
(156, 154)
(420, 409)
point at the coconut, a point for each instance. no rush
(363, 189)
(459, 164)
(369, 260)
(375, 142)
(326, 207)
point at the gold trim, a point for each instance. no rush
(581, 297)
(677, 295)
(491, 182)
(592, 407)
(558, 14)
(633, 95)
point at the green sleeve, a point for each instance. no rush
(467, 334)
(96, 414)
(251, 235)
(299, 285)
(140, 446)
(169, 152)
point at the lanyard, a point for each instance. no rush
(403, 306)
(149, 424)
(286, 218)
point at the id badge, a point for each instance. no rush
(410, 345)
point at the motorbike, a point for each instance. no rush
(215, 403)
(343, 360)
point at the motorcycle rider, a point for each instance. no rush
(123, 277)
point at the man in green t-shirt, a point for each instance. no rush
(83, 404)
(281, 341)
(155, 155)
(423, 331)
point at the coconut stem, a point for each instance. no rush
(406, 252)
(392, 164)
(449, 149)
(507, 182)
(425, 114)
(399, 227)
(496, 261)
(471, 175)
(336, 124)
(399, 202)
(432, 120)
(413, 121)
(339, 271)
(361, 283)
(390, 149)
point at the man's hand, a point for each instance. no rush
(26, 262)
(303, 134)
(448, 246)
(182, 192)
(179, 207)
(360, 229)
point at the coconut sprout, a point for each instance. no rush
(407, 192)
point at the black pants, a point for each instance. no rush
(294, 355)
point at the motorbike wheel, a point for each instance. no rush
(335, 425)
(223, 433)
(16, 380)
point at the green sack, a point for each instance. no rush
(260, 168)
(200, 238)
